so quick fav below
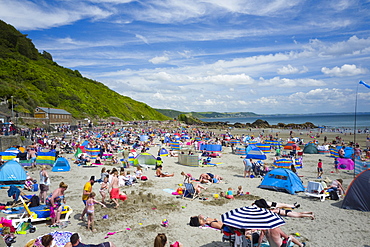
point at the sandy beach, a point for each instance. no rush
(149, 202)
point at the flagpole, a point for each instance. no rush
(354, 133)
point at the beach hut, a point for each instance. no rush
(61, 165)
(145, 159)
(358, 196)
(12, 172)
(256, 153)
(310, 148)
(282, 180)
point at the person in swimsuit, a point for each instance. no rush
(90, 210)
(276, 238)
(75, 242)
(201, 220)
(104, 189)
(54, 201)
(114, 192)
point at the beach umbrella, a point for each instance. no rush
(252, 217)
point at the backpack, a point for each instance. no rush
(35, 201)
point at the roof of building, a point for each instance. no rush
(54, 110)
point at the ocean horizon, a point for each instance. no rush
(340, 120)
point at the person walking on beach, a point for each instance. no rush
(85, 194)
(114, 189)
(319, 169)
(44, 183)
(247, 166)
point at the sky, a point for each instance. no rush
(262, 56)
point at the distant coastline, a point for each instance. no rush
(329, 120)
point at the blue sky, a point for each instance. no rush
(213, 55)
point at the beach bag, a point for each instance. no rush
(334, 195)
(35, 201)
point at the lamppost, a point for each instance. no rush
(48, 119)
(12, 107)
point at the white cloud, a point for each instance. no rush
(286, 70)
(345, 70)
(158, 60)
(31, 16)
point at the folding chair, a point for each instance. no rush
(189, 192)
(315, 189)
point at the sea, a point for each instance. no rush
(342, 120)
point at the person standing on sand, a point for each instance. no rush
(319, 169)
(86, 192)
(114, 190)
(247, 166)
(44, 183)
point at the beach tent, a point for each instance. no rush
(358, 196)
(61, 165)
(45, 158)
(264, 147)
(188, 160)
(283, 180)
(144, 138)
(348, 152)
(145, 159)
(289, 146)
(345, 164)
(361, 166)
(323, 149)
(163, 152)
(12, 171)
(310, 148)
(256, 153)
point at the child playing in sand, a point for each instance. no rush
(138, 172)
(103, 189)
(90, 210)
(229, 193)
(187, 177)
(240, 191)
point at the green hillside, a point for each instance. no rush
(34, 79)
(175, 114)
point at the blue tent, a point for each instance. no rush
(61, 165)
(283, 180)
(256, 153)
(12, 171)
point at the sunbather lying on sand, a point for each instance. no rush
(201, 220)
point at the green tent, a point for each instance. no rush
(310, 148)
(145, 159)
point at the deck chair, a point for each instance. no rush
(37, 214)
(315, 189)
(189, 192)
